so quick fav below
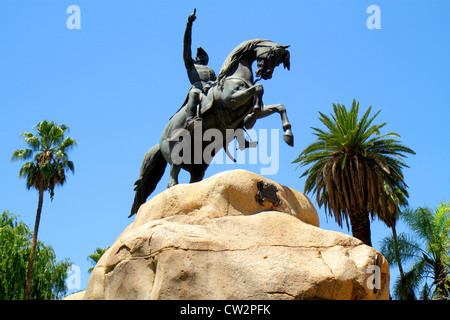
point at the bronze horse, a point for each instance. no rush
(234, 101)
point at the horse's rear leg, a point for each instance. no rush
(174, 172)
(197, 174)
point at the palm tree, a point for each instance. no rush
(48, 168)
(350, 164)
(428, 248)
(397, 199)
(96, 256)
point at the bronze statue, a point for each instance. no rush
(231, 102)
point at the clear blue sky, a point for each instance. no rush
(117, 80)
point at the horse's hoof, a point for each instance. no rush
(171, 184)
(288, 137)
(249, 121)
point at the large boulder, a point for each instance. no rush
(219, 239)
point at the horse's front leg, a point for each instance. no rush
(251, 118)
(267, 110)
(237, 97)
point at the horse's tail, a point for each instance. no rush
(152, 169)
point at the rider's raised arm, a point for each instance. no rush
(187, 53)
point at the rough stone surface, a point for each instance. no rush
(213, 240)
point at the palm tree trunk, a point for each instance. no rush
(397, 253)
(33, 244)
(360, 223)
(440, 279)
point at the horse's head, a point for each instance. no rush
(269, 57)
(267, 53)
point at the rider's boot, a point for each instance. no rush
(191, 120)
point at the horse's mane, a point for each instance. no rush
(237, 54)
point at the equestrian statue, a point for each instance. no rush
(233, 100)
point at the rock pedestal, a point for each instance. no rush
(219, 239)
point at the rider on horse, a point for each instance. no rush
(200, 75)
(202, 78)
(233, 102)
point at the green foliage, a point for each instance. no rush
(50, 161)
(95, 257)
(352, 164)
(427, 248)
(48, 275)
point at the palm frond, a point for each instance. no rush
(402, 249)
(21, 155)
(404, 288)
(67, 144)
(31, 140)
